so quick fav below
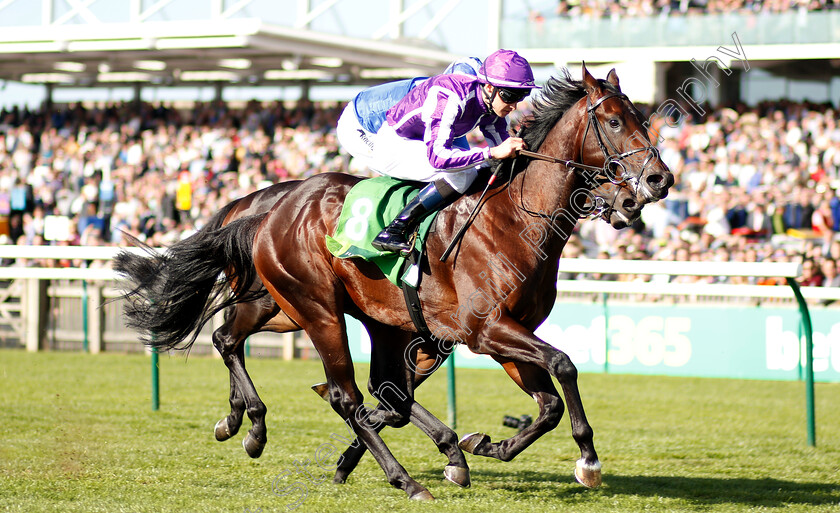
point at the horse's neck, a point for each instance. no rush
(546, 188)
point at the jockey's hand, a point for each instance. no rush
(508, 148)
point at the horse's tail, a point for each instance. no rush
(171, 296)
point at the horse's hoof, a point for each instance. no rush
(339, 479)
(322, 389)
(473, 441)
(422, 495)
(458, 475)
(588, 474)
(222, 430)
(252, 446)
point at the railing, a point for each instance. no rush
(102, 323)
(79, 307)
(789, 271)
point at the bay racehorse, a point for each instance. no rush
(496, 290)
(615, 203)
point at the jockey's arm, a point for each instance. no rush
(509, 148)
(502, 145)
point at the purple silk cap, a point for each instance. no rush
(506, 68)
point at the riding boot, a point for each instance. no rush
(432, 198)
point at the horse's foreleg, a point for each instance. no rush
(428, 357)
(456, 471)
(397, 405)
(345, 398)
(510, 340)
(330, 340)
(537, 383)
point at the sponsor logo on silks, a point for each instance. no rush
(365, 139)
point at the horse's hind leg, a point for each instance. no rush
(228, 426)
(537, 383)
(241, 321)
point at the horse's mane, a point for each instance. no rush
(557, 96)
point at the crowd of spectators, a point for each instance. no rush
(78, 176)
(752, 184)
(637, 8)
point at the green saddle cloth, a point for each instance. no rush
(369, 207)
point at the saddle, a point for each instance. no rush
(368, 208)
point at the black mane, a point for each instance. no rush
(556, 97)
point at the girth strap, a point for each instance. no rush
(412, 298)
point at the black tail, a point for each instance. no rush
(173, 295)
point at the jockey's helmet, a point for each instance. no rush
(506, 68)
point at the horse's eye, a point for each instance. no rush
(614, 123)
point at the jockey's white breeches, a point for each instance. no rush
(355, 140)
(406, 159)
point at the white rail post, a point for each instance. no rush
(35, 322)
(288, 345)
(95, 324)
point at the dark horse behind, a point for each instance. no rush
(500, 285)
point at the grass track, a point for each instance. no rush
(78, 435)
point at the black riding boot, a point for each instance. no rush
(432, 198)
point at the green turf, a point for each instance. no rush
(78, 434)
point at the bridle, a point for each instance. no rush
(613, 171)
(613, 161)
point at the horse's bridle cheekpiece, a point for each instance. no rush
(615, 159)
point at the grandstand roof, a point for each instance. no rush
(237, 51)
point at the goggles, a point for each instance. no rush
(511, 96)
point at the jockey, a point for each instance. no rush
(365, 114)
(417, 140)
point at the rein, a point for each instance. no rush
(555, 160)
(601, 209)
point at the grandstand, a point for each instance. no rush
(133, 46)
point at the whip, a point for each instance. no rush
(471, 216)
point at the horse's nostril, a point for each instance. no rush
(655, 180)
(618, 224)
(629, 205)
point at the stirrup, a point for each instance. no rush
(411, 241)
(402, 245)
(392, 246)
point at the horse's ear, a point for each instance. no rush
(612, 78)
(589, 81)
